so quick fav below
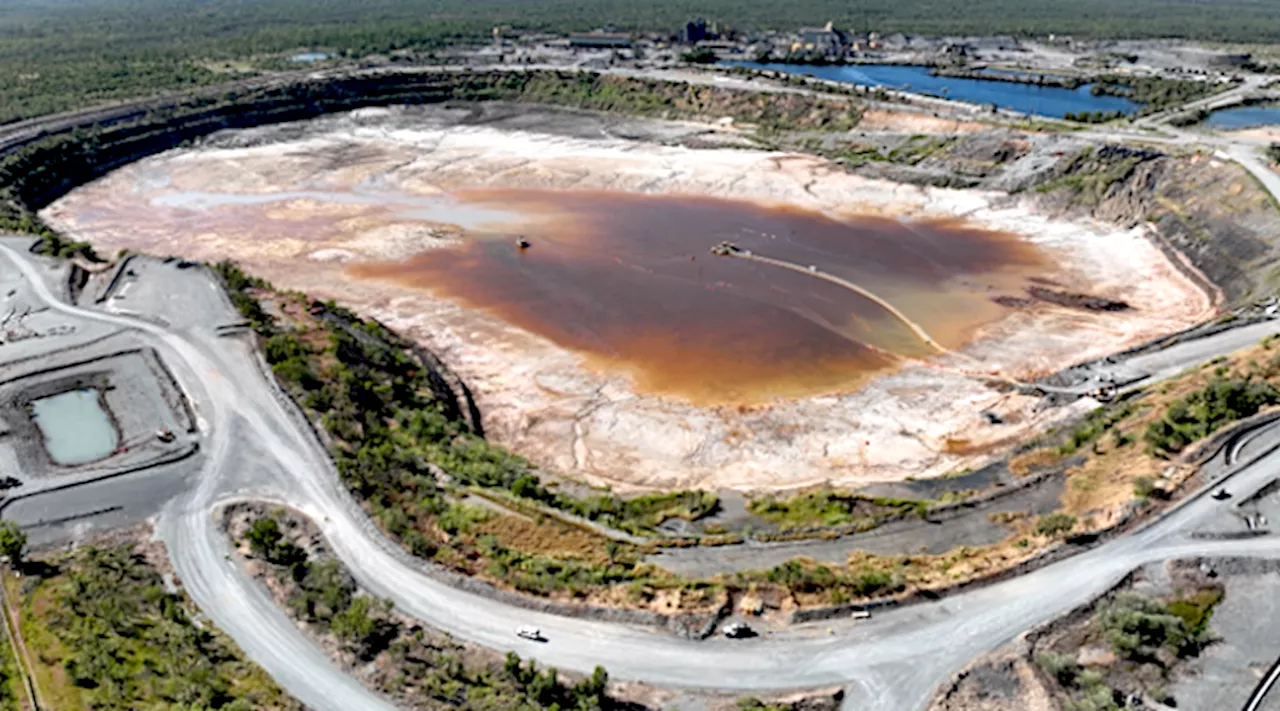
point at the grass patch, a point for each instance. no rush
(1196, 609)
(1090, 174)
(48, 653)
(547, 538)
(918, 148)
(830, 507)
(1055, 524)
(1109, 470)
(11, 686)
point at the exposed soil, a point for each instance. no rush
(1002, 681)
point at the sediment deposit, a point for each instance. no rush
(324, 207)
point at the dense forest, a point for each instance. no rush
(60, 54)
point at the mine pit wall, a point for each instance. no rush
(1219, 252)
(42, 160)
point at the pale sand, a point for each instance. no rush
(1261, 133)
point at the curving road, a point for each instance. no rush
(257, 447)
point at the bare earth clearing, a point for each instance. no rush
(299, 204)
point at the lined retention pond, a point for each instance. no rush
(1026, 98)
(75, 426)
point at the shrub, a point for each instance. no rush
(1098, 422)
(1062, 667)
(1137, 626)
(868, 583)
(363, 626)
(1121, 438)
(1055, 523)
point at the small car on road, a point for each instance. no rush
(530, 632)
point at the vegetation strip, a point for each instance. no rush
(106, 634)
(399, 656)
(14, 658)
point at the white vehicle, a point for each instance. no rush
(861, 614)
(737, 630)
(530, 632)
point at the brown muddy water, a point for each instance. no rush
(629, 281)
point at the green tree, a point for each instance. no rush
(264, 535)
(590, 693)
(1202, 412)
(356, 622)
(363, 626)
(13, 542)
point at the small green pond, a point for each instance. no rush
(75, 426)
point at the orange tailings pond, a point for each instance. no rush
(616, 348)
(630, 282)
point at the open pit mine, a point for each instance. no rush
(634, 311)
